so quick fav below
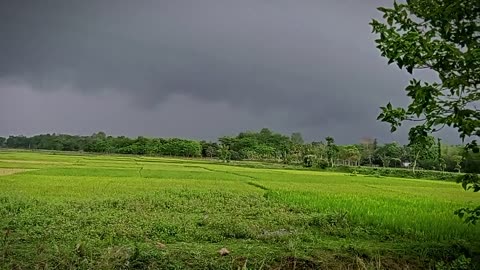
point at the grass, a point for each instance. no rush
(74, 211)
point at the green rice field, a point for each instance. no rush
(75, 211)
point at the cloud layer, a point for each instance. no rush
(194, 68)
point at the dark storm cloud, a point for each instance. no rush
(290, 65)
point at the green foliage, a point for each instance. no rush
(297, 138)
(209, 149)
(388, 153)
(470, 162)
(224, 152)
(18, 142)
(322, 163)
(2, 141)
(309, 161)
(469, 182)
(331, 150)
(263, 145)
(100, 143)
(367, 149)
(441, 36)
(444, 37)
(349, 154)
(460, 263)
(424, 149)
(470, 215)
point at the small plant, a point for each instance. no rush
(460, 263)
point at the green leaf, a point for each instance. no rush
(390, 20)
(382, 9)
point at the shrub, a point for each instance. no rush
(322, 164)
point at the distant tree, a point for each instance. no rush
(285, 150)
(265, 151)
(439, 148)
(182, 148)
(211, 151)
(228, 141)
(388, 153)
(265, 131)
(265, 134)
(224, 152)
(99, 135)
(297, 138)
(259, 145)
(332, 150)
(123, 145)
(368, 148)
(2, 141)
(442, 36)
(297, 147)
(442, 164)
(18, 142)
(471, 162)
(419, 147)
(448, 153)
(102, 146)
(350, 154)
(140, 145)
(319, 149)
(308, 149)
(458, 162)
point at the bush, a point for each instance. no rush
(428, 164)
(236, 155)
(322, 164)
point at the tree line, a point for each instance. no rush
(266, 145)
(101, 143)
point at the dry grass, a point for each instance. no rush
(4, 171)
(35, 161)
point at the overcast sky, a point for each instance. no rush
(194, 69)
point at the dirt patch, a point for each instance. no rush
(11, 171)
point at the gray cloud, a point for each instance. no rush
(194, 68)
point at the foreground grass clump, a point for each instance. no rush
(110, 212)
